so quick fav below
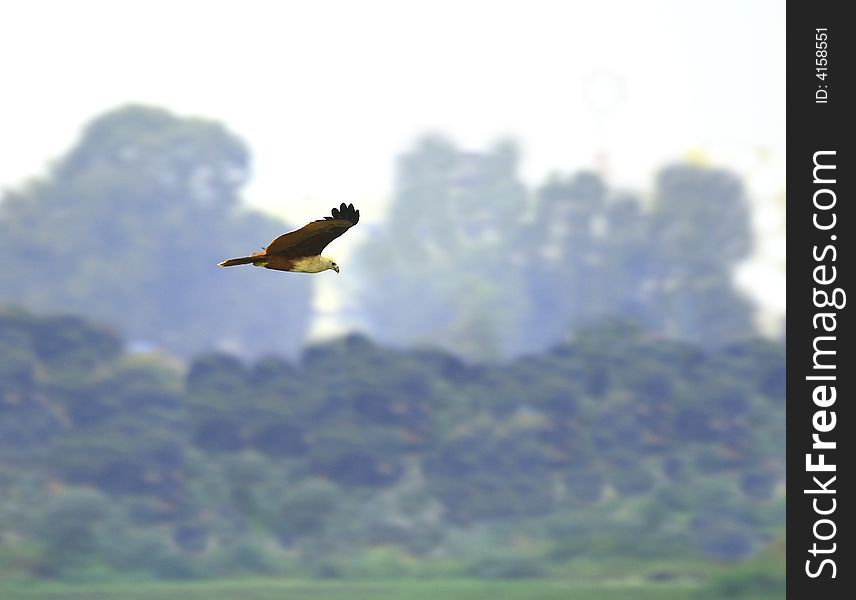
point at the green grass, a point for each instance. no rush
(267, 589)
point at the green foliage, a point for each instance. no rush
(305, 509)
(469, 475)
(67, 529)
(761, 577)
(617, 445)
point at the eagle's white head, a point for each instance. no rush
(314, 264)
(329, 263)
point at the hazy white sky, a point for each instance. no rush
(323, 87)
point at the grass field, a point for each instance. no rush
(266, 589)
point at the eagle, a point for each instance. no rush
(299, 251)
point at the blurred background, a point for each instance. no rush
(554, 353)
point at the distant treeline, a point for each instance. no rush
(361, 459)
(128, 226)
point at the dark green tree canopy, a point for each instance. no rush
(612, 437)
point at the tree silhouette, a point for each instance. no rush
(128, 229)
(439, 270)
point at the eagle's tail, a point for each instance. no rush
(245, 260)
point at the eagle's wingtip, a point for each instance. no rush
(346, 212)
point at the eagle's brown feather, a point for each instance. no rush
(309, 240)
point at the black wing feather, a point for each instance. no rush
(345, 212)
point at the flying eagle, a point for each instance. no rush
(300, 251)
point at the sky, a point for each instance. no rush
(323, 87)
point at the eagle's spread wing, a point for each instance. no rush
(312, 238)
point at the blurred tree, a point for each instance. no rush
(595, 255)
(305, 509)
(215, 383)
(506, 280)
(379, 387)
(563, 254)
(470, 473)
(128, 228)
(723, 533)
(440, 270)
(700, 229)
(631, 444)
(24, 421)
(353, 455)
(68, 529)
